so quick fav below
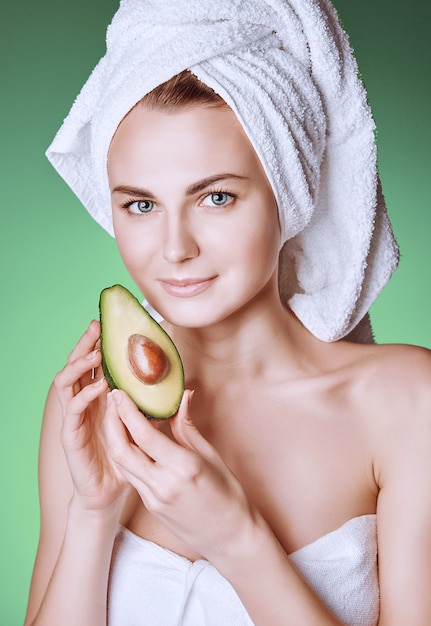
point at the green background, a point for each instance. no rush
(55, 260)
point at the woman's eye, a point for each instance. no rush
(219, 198)
(140, 206)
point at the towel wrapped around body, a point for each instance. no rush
(286, 68)
(152, 585)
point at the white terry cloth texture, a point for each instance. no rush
(287, 70)
(151, 585)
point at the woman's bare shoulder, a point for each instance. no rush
(392, 387)
(393, 369)
(387, 385)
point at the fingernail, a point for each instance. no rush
(91, 355)
(116, 396)
(191, 394)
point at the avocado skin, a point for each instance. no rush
(117, 302)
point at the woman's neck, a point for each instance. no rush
(255, 340)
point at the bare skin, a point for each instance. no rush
(288, 436)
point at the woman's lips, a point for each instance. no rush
(186, 288)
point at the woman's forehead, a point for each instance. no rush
(185, 137)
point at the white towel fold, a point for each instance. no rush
(286, 69)
(151, 585)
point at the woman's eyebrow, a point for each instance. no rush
(207, 182)
(200, 185)
(133, 191)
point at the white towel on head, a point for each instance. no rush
(286, 69)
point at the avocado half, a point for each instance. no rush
(138, 355)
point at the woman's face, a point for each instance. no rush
(194, 216)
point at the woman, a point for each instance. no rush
(297, 454)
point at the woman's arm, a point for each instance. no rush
(272, 591)
(402, 434)
(80, 497)
(55, 492)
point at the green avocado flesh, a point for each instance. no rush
(138, 356)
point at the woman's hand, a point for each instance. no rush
(184, 483)
(97, 483)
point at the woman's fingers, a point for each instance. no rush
(66, 381)
(182, 427)
(79, 403)
(76, 413)
(175, 480)
(86, 342)
(77, 368)
(74, 396)
(86, 345)
(125, 454)
(184, 430)
(154, 443)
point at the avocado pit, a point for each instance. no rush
(146, 359)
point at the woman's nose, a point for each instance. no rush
(179, 241)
